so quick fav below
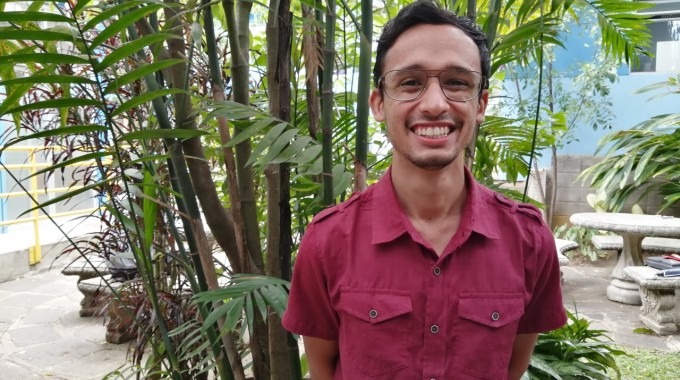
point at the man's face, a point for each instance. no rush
(431, 131)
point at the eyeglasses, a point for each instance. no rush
(457, 85)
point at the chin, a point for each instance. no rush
(432, 163)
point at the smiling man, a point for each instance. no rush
(426, 274)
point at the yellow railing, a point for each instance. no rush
(35, 252)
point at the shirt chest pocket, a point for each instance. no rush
(374, 326)
(486, 332)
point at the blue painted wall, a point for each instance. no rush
(628, 108)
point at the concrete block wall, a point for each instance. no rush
(572, 194)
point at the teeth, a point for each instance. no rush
(432, 131)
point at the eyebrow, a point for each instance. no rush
(417, 66)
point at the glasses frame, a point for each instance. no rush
(381, 84)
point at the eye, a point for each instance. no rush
(455, 83)
(410, 82)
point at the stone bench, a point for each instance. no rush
(103, 303)
(649, 244)
(563, 246)
(97, 295)
(96, 267)
(658, 311)
(86, 271)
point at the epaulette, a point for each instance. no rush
(523, 208)
(325, 213)
(506, 202)
(331, 210)
(531, 210)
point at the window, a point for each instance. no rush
(665, 44)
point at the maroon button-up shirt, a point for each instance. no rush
(365, 277)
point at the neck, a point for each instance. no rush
(429, 195)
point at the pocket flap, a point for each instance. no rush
(375, 305)
(491, 309)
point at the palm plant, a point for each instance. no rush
(642, 159)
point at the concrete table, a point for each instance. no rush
(658, 311)
(632, 228)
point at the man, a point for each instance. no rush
(426, 274)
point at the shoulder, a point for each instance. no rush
(523, 211)
(333, 212)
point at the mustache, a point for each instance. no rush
(444, 118)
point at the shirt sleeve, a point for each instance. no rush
(310, 311)
(545, 310)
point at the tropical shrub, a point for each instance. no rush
(574, 352)
(643, 159)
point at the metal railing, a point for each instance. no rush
(32, 165)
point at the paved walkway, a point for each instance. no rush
(42, 336)
(585, 290)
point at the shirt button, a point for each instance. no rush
(434, 329)
(495, 316)
(437, 271)
(373, 313)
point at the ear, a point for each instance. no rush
(375, 101)
(481, 106)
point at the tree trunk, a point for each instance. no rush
(362, 99)
(327, 104)
(239, 42)
(311, 47)
(279, 244)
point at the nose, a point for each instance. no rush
(433, 101)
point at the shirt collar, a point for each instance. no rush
(389, 220)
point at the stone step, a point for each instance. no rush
(649, 244)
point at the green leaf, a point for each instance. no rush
(266, 141)
(250, 316)
(250, 131)
(124, 20)
(72, 161)
(261, 305)
(144, 98)
(150, 207)
(341, 179)
(293, 149)
(308, 154)
(27, 16)
(642, 164)
(234, 314)
(626, 171)
(36, 79)
(140, 73)
(66, 196)
(163, 134)
(37, 35)
(215, 315)
(55, 103)
(70, 130)
(42, 58)
(276, 298)
(80, 5)
(232, 110)
(278, 145)
(131, 48)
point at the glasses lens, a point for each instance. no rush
(405, 84)
(457, 85)
(460, 85)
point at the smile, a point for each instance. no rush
(432, 132)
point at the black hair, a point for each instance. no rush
(428, 12)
